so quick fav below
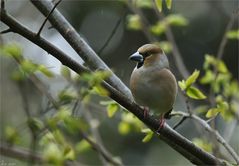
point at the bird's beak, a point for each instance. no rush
(136, 57)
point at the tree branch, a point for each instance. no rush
(99, 149)
(44, 22)
(19, 153)
(171, 137)
(224, 38)
(110, 36)
(78, 44)
(207, 127)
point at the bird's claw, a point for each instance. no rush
(161, 124)
(146, 112)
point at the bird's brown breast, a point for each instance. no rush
(154, 88)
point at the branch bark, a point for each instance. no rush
(19, 153)
(78, 44)
(171, 137)
(207, 127)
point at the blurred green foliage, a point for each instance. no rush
(205, 145)
(222, 86)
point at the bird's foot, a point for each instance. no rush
(146, 112)
(167, 115)
(161, 123)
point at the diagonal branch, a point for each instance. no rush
(78, 44)
(224, 38)
(167, 134)
(110, 37)
(207, 127)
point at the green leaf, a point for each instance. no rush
(222, 67)
(69, 153)
(11, 135)
(201, 109)
(159, 28)
(182, 85)
(52, 154)
(203, 144)
(212, 112)
(108, 102)
(223, 105)
(35, 124)
(98, 89)
(63, 113)
(67, 96)
(176, 20)
(166, 46)
(232, 89)
(169, 4)
(18, 75)
(229, 115)
(59, 137)
(146, 130)
(148, 137)
(60, 116)
(28, 67)
(159, 5)
(101, 75)
(111, 110)
(233, 34)
(209, 60)
(13, 50)
(192, 78)
(46, 139)
(43, 69)
(73, 125)
(65, 72)
(124, 128)
(82, 146)
(195, 93)
(143, 3)
(133, 22)
(208, 78)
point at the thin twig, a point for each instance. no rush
(110, 37)
(224, 38)
(3, 5)
(6, 31)
(98, 149)
(28, 113)
(179, 123)
(19, 153)
(104, 153)
(43, 24)
(207, 127)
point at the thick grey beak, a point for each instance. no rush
(136, 57)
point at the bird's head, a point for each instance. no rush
(150, 55)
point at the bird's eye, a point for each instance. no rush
(146, 54)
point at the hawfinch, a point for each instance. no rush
(152, 83)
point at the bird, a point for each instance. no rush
(152, 84)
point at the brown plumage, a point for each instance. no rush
(152, 83)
